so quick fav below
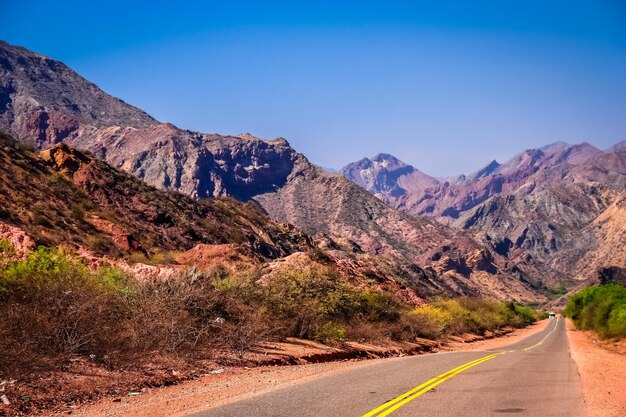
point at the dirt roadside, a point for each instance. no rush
(237, 383)
(602, 369)
(458, 344)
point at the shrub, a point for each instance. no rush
(331, 332)
(523, 315)
(156, 258)
(309, 298)
(54, 308)
(306, 298)
(367, 331)
(601, 308)
(429, 323)
(7, 252)
(453, 317)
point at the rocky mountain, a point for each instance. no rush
(62, 196)
(387, 177)
(545, 206)
(45, 114)
(45, 103)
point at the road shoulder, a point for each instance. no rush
(602, 373)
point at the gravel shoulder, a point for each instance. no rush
(237, 383)
(602, 369)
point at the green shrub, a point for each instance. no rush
(43, 265)
(307, 298)
(601, 308)
(331, 332)
(7, 252)
(524, 314)
(454, 317)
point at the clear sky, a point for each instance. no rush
(444, 85)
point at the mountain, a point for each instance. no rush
(62, 196)
(618, 147)
(547, 206)
(387, 177)
(34, 107)
(44, 103)
(484, 172)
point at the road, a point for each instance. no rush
(534, 377)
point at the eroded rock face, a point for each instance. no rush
(387, 177)
(64, 196)
(21, 243)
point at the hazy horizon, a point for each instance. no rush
(446, 88)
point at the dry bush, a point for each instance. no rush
(53, 309)
(412, 325)
(241, 333)
(366, 331)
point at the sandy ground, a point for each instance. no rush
(602, 369)
(238, 383)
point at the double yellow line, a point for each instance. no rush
(391, 406)
(556, 323)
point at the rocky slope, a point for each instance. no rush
(557, 208)
(44, 102)
(66, 197)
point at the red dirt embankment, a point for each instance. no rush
(602, 369)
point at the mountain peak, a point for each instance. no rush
(554, 147)
(489, 169)
(618, 147)
(380, 157)
(57, 100)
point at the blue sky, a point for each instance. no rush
(444, 85)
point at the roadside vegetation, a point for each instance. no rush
(54, 309)
(601, 308)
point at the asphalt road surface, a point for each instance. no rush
(534, 377)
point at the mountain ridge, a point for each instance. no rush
(543, 201)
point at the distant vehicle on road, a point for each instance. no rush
(551, 315)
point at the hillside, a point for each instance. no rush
(64, 196)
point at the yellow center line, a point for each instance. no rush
(390, 406)
(556, 323)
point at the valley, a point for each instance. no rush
(137, 254)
